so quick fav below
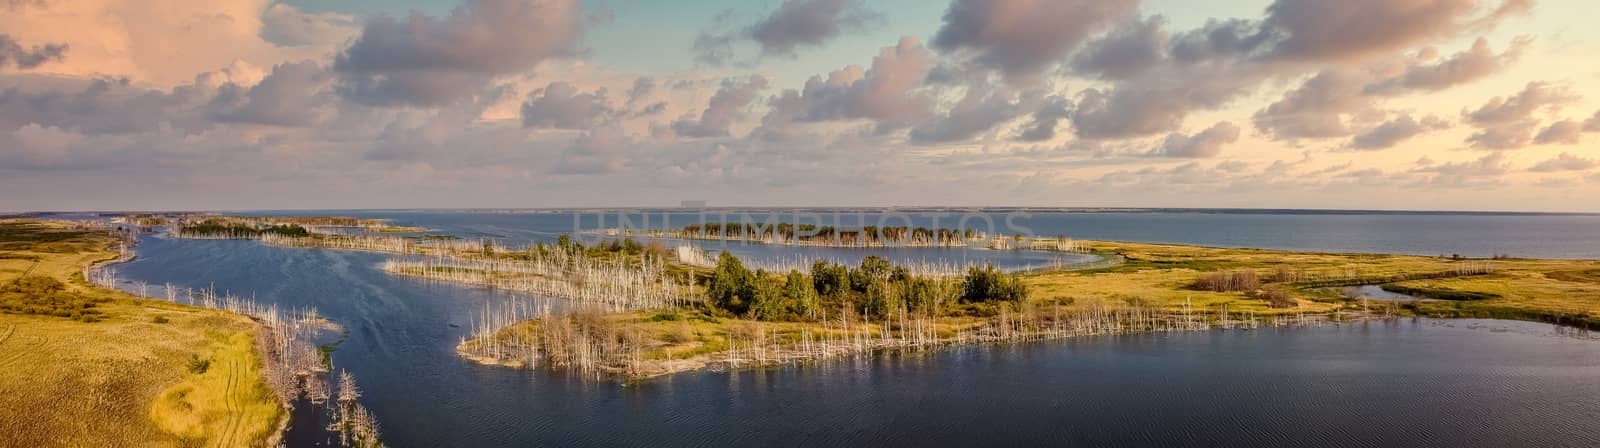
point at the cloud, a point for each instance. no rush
(730, 104)
(1324, 105)
(1045, 120)
(1485, 171)
(1395, 131)
(1467, 66)
(13, 54)
(1023, 38)
(809, 23)
(1318, 30)
(1218, 40)
(1125, 52)
(1506, 122)
(426, 61)
(1564, 132)
(1564, 162)
(887, 93)
(1593, 123)
(285, 25)
(560, 105)
(102, 106)
(239, 72)
(978, 111)
(1125, 113)
(643, 86)
(1209, 67)
(1533, 97)
(1315, 109)
(593, 152)
(292, 95)
(794, 24)
(34, 146)
(1206, 144)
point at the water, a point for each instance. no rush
(1468, 234)
(1376, 292)
(1417, 383)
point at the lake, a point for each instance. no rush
(1410, 382)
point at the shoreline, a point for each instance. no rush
(262, 343)
(879, 344)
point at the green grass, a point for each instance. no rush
(1565, 291)
(1439, 293)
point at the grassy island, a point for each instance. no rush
(740, 318)
(87, 366)
(864, 236)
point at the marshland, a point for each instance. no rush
(492, 329)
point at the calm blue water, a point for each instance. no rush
(1410, 383)
(1476, 234)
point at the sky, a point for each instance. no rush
(303, 104)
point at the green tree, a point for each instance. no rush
(801, 294)
(731, 285)
(873, 269)
(989, 284)
(829, 279)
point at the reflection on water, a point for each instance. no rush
(1420, 383)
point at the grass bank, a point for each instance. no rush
(1557, 291)
(132, 378)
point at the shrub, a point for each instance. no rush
(36, 294)
(1275, 296)
(1285, 274)
(679, 334)
(197, 365)
(56, 248)
(160, 320)
(1228, 281)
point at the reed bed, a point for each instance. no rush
(365, 243)
(617, 285)
(867, 238)
(932, 267)
(586, 342)
(1352, 277)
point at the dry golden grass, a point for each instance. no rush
(124, 381)
(1567, 291)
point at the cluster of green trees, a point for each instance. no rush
(811, 232)
(626, 246)
(37, 294)
(876, 288)
(234, 229)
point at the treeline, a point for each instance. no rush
(626, 246)
(876, 288)
(810, 232)
(217, 228)
(324, 221)
(37, 294)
